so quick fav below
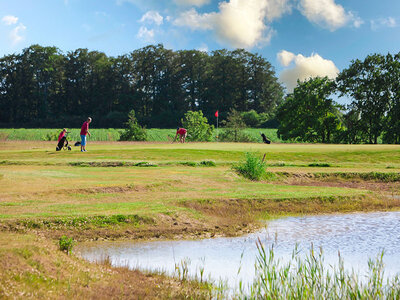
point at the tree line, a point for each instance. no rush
(43, 87)
(373, 85)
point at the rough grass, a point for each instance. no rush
(113, 134)
(32, 267)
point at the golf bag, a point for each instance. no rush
(63, 144)
(265, 140)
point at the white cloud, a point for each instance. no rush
(152, 17)
(276, 8)
(305, 68)
(192, 2)
(327, 13)
(357, 22)
(146, 34)
(203, 48)
(195, 21)
(383, 22)
(240, 23)
(285, 57)
(16, 34)
(9, 20)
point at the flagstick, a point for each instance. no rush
(217, 127)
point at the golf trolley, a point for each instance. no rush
(63, 144)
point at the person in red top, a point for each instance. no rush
(84, 132)
(62, 134)
(182, 134)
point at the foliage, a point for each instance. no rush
(207, 163)
(52, 136)
(370, 83)
(308, 115)
(66, 244)
(197, 126)
(252, 167)
(234, 126)
(133, 132)
(44, 87)
(251, 118)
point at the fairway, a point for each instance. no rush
(150, 179)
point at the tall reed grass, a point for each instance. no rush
(310, 278)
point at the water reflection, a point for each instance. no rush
(358, 236)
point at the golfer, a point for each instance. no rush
(62, 134)
(84, 132)
(182, 134)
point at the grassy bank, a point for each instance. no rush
(113, 134)
(159, 190)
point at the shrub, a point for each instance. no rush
(51, 136)
(66, 244)
(133, 132)
(197, 126)
(251, 118)
(252, 167)
(208, 163)
(237, 136)
(319, 165)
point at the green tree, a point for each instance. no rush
(308, 114)
(197, 126)
(366, 82)
(251, 118)
(234, 125)
(392, 118)
(133, 131)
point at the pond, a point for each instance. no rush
(358, 237)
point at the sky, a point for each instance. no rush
(300, 38)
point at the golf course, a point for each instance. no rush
(161, 191)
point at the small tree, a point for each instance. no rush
(197, 126)
(133, 131)
(234, 126)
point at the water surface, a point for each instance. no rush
(358, 237)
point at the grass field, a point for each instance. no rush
(161, 190)
(112, 134)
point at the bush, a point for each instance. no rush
(197, 126)
(252, 167)
(232, 135)
(51, 136)
(251, 118)
(66, 244)
(133, 132)
(208, 163)
(234, 126)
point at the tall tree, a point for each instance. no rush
(308, 114)
(366, 83)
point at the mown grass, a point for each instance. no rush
(373, 157)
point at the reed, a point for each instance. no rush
(309, 277)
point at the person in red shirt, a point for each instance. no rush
(182, 134)
(84, 132)
(62, 134)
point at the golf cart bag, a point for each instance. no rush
(265, 140)
(63, 144)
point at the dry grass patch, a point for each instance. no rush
(33, 267)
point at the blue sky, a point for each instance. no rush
(301, 38)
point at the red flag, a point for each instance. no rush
(216, 114)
